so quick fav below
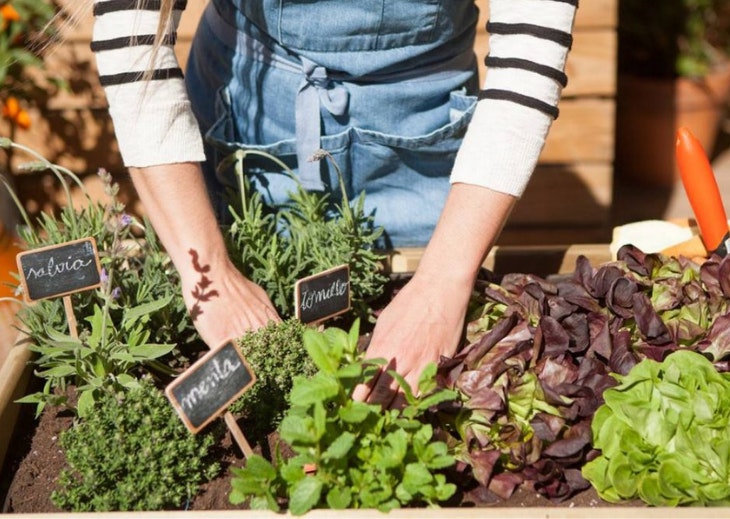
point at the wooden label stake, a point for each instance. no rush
(206, 389)
(322, 295)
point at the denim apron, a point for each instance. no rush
(386, 87)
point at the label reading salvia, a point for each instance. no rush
(59, 270)
(208, 387)
(323, 295)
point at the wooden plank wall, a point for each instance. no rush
(569, 196)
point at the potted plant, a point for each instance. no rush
(673, 71)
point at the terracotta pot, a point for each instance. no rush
(648, 113)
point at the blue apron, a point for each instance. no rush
(386, 87)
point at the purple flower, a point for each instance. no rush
(125, 220)
(116, 293)
(104, 277)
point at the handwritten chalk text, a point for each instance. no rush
(53, 269)
(221, 372)
(310, 298)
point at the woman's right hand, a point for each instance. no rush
(224, 304)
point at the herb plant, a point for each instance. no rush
(275, 247)
(133, 453)
(134, 318)
(276, 355)
(364, 456)
(663, 434)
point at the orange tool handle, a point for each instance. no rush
(700, 185)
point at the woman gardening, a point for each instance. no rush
(388, 88)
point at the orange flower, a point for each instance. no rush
(9, 14)
(15, 113)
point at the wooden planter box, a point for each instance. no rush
(15, 374)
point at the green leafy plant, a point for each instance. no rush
(364, 456)
(673, 37)
(276, 354)
(275, 247)
(101, 358)
(541, 353)
(663, 434)
(26, 28)
(133, 453)
(136, 316)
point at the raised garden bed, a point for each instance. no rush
(35, 455)
(502, 429)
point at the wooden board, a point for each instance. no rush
(539, 260)
(583, 132)
(578, 194)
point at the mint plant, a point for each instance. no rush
(133, 453)
(364, 456)
(275, 247)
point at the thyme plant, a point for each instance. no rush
(133, 453)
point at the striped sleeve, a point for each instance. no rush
(529, 41)
(153, 121)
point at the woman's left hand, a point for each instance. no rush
(424, 322)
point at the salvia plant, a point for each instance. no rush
(133, 319)
(350, 454)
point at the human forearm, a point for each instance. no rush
(470, 223)
(222, 302)
(176, 202)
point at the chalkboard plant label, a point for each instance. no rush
(59, 270)
(323, 295)
(206, 389)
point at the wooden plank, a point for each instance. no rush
(591, 65)
(577, 194)
(597, 13)
(590, 14)
(536, 234)
(584, 132)
(539, 260)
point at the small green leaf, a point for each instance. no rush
(320, 388)
(356, 412)
(320, 351)
(339, 498)
(305, 495)
(339, 448)
(85, 404)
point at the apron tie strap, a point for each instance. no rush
(316, 91)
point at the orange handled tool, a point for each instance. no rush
(700, 185)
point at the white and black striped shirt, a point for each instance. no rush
(529, 41)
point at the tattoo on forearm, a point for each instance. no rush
(201, 292)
